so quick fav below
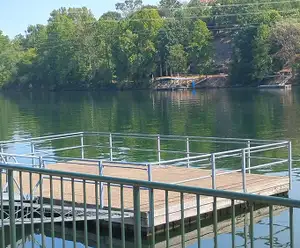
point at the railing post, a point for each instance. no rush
(137, 217)
(244, 170)
(151, 199)
(110, 147)
(2, 151)
(249, 156)
(100, 164)
(32, 152)
(158, 149)
(188, 151)
(82, 145)
(213, 170)
(290, 161)
(149, 170)
(11, 194)
(41, 162)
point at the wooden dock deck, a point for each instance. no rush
(256, 184)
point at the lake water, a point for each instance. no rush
(243, 113)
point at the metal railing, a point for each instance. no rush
(51, 202)
(111, 137)
(250, 155)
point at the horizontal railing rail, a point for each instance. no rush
(250, 157)
(200, 161)
(158, 186)
(44, 138)
(16, 213)
(178, 137)
(135, 135)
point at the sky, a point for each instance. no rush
(16, 15)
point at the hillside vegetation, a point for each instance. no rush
(249, 40)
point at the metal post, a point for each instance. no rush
(41, 162)
(249, 156)
(82, 146)
(271, 233)
(158, 149)
(291, 215)
(151, 204)
(251, 233)
(188, 151)
(137, 217)
(213, 170)
(2, 151)
(290, 161)
(244, 170)
(100, 164)
(12, 223)
(182, 220)
(149, 170)
(41, 166)
(246, 230)
(110, 147)
(32, 153)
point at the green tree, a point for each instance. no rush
(128, 7)
(169, 7)
(262, 59)
(252, 51)
(285, 37)
(111, 15)
(200, 48)
(241, 65)
(140, 31)
(178, 59)
(9, 57)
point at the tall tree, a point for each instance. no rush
(145, 25)
(262, 59)
(178, 59)
(9, 57)
(285, 36)
(169, 7)
(128, 7)
(200, 48)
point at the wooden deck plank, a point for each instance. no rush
(258, 184)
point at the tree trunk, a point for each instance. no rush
(161, 69)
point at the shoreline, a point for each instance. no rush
(143, 89)
(162, 84)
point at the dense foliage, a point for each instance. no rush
(136, 42)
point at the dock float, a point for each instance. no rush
(237, 169)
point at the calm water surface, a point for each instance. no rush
(261, 114)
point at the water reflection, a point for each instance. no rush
(261, 220)
(227, 113)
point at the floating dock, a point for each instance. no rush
(256, 184)
(194, 168)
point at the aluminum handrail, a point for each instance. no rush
(269, 145)
(180, 137)
(41, 137)
(189, 160)
(180, 159)
(20, 155)
(74, 160)
(286, 202)
(225, 154)
(234, 171)
(136, 217)
(137, 135)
